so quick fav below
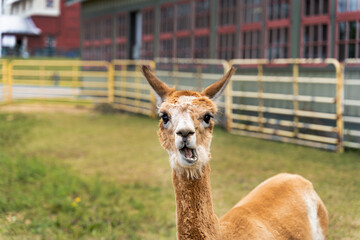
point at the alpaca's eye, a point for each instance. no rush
(207, 117)
(165, 118)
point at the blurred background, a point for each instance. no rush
(227, 29)
(79, 156)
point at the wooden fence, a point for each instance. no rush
(290, 100)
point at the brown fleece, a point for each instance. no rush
(276, 209)
(159, 87)
(195, 216)
(273, 210)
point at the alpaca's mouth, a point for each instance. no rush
(189, 154)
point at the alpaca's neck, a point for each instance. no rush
(195, 215)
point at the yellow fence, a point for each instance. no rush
(60, 80)
(290, 100)
(129, 90)
(5, 91)
(352, 103)
(276, 101)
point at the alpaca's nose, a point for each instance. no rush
(185, 133)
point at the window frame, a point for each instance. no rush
(311, 21)
(181, 34)
(280, 24)
(221, 12)
(225, 31)
(347, 17)
(202, 50)
(201, 16)
(250, 47)
(148, 36)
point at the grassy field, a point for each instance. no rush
(91, 176)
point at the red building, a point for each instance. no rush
(60, 35)
(59, 24)
(223, 29)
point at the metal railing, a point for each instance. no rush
(65, 80)
(272, 101)
(352, 103)
(130, 90)
(290, 100)
(4, 91)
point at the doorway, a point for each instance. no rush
(135, 34)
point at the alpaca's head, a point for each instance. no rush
(186, 122)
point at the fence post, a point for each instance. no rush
(339, 105)
(110, 83)
(137, 89)
(295, 99)
(75, 79)
(175, 75)
(199, 76)
(10, 82)
(261, 100)
(152, 95)
(4, 79)
(228, 99)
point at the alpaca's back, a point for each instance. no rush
(283, 207)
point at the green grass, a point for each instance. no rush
(115, 165)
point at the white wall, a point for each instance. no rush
(28, 8)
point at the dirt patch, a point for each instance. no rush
(29, 108)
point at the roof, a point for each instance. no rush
(69, 2)
(11, 24)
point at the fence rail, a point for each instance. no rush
(311, 102)
(289, 110)
(352, 103)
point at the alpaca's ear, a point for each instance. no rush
(214, 90)
(160, 88)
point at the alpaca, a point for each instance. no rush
(283, 207)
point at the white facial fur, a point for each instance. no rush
(181, 120)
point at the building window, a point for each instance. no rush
(250, 44)
(121, 51)
(166, 48)
(278, 9)
(147, 51)
(227, 12)
(167, 19)
(148, 22)
(313, 8)
(226, 47)
(97, 30)
(87, 31)
(121, 25)
(202, 14)
(147, 45)
(183, 47)
(251, 11)
(202, 47)
(87, 53)
(278, 43)
(348, 40)
(348, 5)
(49, 3)
(183, 17)
(50, 42)
(97, 53)
(108, 27)
(315, 41)
(107, 53)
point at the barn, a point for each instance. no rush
(225, 29)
